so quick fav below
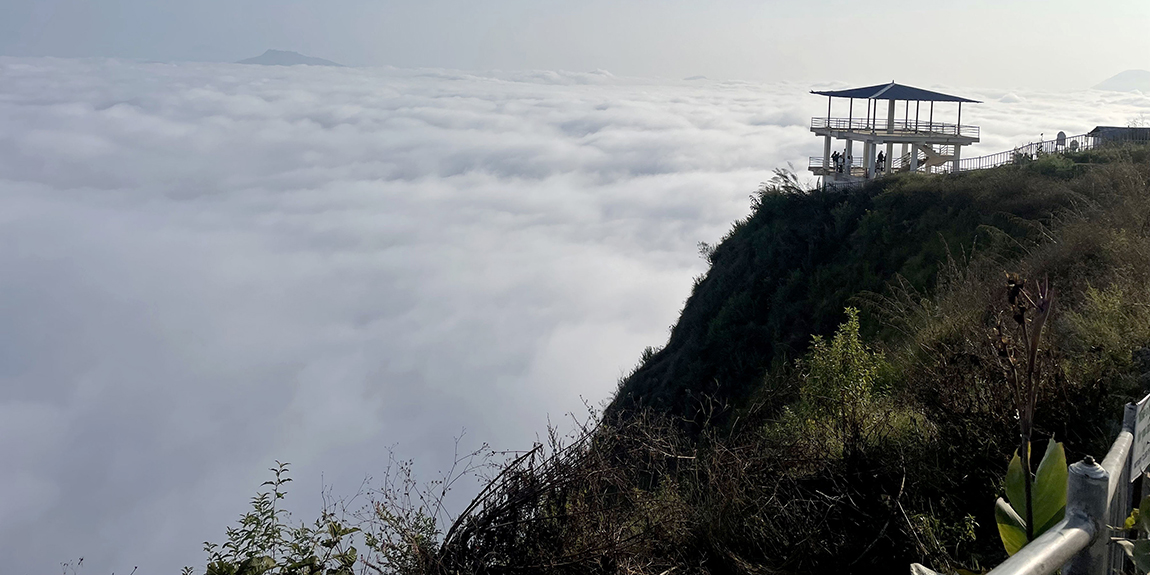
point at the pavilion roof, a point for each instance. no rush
(893, 91)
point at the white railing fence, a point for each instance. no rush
(1035, 150)
(904, 126)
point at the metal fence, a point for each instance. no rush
(1032, 151)
(815, 163)
(1097, 497)
(1035, 150)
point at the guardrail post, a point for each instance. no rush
(1086, 494)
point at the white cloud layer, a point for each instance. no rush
(210, 267)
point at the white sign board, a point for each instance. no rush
(1140, 451)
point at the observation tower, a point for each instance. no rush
(927, 145)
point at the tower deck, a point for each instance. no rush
(925, 143)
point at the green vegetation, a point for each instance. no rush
(1046, 506)
(788, 270)
(264, 541)
(1037, 500)
(841, 392)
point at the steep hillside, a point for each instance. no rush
(747, 445)
(786, 272)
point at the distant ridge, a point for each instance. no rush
(1127, 81)
(286, 58)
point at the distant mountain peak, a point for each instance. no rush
(287, 58)
(1127, 81)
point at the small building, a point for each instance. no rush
(925, 143)
(1103, 135)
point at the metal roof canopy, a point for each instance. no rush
(893, 91)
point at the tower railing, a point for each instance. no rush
(901, 127)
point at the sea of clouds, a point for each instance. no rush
(208, 267)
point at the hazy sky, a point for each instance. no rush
(1057, 44)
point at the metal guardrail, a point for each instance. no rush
(879, 125)
(1031, 151)
(896, 163)
(815, 163)
(1034, 150)
(1097, 496)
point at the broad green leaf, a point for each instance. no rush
(1010, 527)
(1015, 488)
(1043, 528)
(1141, 555)
(1144, 514)
(1049, 488)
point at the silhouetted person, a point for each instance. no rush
(881, 162)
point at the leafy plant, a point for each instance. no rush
(1045, 502)
(264, 542)
(1018, 357)
(841, 376)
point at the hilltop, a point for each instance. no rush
(287, 58)
(786, 272)
(1128, 81)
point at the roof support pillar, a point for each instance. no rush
(826, 154)
(868, 159)
(890, 130)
